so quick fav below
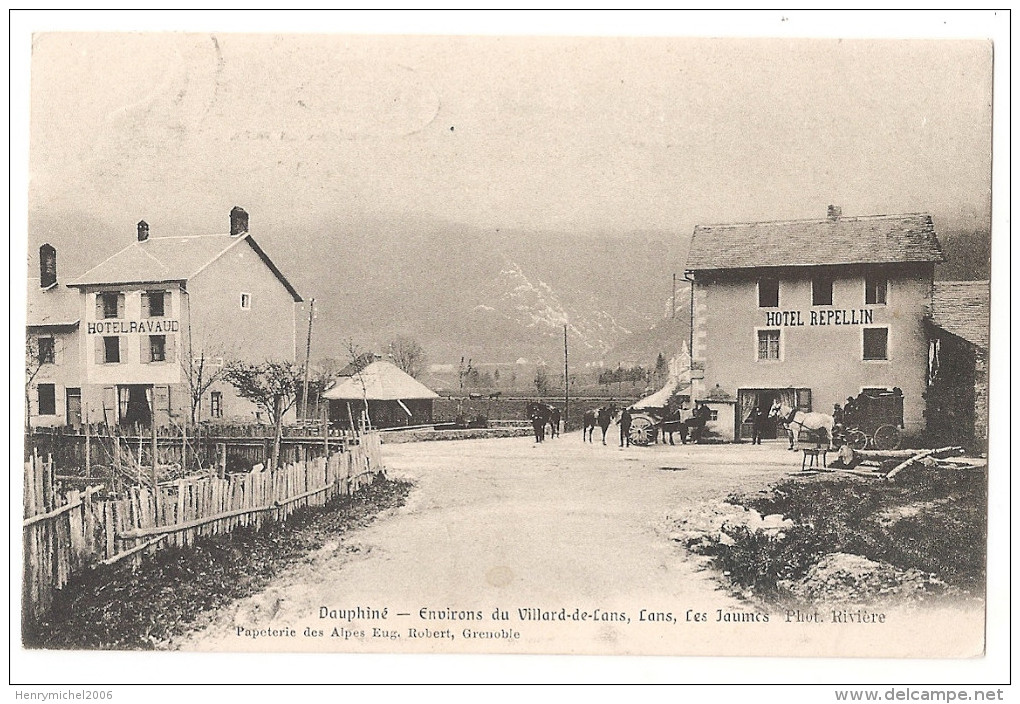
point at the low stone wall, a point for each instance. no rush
(426, 435)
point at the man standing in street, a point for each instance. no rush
(625, 419)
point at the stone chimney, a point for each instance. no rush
(835, 212)
(47, 266)
(238, 221)
(143, 230)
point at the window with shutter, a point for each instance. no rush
(121, 305)
(157, 348)
(100, 306)
(168, 308)
(144, 349)
(156, 304)
(111, 350)
(145, 304)
(123, 345)
(100, 349)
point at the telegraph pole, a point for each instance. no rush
(566, 380)
(308, 353)
(674, 296)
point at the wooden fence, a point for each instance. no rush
(100, 447)
(67, 533)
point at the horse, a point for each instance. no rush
(588, 428)
(684, 422)
(548, 415)
(606, 414)
(810, 421)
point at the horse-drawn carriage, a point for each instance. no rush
(872, 420)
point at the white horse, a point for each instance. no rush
(811, 421)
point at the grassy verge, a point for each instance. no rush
(931, 528)
(116, 608)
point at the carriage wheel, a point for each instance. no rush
(642, 430)
(857, 440)
(887, 437)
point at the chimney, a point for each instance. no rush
(47, 266)
(238, 221)
(835, 212)
(143, 230)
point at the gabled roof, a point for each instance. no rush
(872, 239)
(54, 306)
(961, 308)
(175, 258)
(383, 381)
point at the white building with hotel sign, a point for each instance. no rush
(132, 329)
(810, 312)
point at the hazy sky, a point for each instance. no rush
(587, 134)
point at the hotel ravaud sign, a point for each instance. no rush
(127, 327)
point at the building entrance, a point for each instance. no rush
(134, 404)
(749, 399)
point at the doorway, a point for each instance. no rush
(749, 399)
(73, 407)
(134, 404)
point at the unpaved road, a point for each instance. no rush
(567, 529)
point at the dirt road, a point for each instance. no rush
(508, 546)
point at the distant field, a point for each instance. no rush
(448, 409)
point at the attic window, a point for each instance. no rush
(768, 293)
(245, 301)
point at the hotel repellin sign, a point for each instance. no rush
(127, 327)
(797, 318)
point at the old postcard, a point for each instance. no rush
(476, 344)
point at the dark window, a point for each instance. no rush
(156, 304)
(768, 293)
(47, 400)
(111, 350)
(109, 303)
(47, 350)
(768, 344)
(875, 289)
(157, 348)
(245, 301)
(216, 404)
(821, 291)
(876, 343)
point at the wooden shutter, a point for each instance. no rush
(123, 342)
(110, 414)
(144, 349)
(100, 349)
(170, 348)
(120, 305)
(100, 313)
(58, 349)
(167, 304)
(145, 304)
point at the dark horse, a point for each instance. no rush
(540, 415)
(606, 414)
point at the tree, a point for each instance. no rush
(200, 373)
(33, 363)
(661, 368)
(408, 355)
(542, 381)
(272, 386)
